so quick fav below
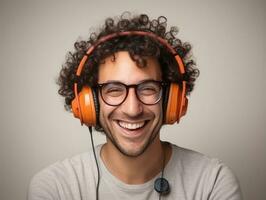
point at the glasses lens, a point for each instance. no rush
(113, 93)
(149, 92)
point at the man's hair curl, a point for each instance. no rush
(138, 47)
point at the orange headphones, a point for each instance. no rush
(85, 104)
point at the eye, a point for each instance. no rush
(149, 89)
(113, 90)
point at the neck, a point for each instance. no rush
(136, 170)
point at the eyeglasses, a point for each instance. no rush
(115, 93)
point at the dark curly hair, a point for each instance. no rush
(138, 47)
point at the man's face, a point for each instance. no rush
(132, 125)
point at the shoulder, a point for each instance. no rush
(67, 174)
(65, 167)
(192, 159)
(214, 176)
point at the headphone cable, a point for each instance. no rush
(162, 176)
(98, 171)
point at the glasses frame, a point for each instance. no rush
(135, 86)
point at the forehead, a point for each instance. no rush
(125, 70)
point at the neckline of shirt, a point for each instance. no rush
(106, 175)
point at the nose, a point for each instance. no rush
(132, 106)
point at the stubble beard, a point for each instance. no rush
(127, 153)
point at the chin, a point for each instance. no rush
(133, 148)
(132, 142)
(132, 152)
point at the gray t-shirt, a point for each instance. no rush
(191, 176)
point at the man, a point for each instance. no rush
(127, 81)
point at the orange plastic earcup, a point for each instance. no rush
(87, 112)
(183, 101)
(177, 104)
(171, 110)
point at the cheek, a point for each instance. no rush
(105, 112)
(158, 112)
(101, 108)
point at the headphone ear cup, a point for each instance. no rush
(176, 104)
(83, 106)
(165, 102)
(183, 102)
(171, 114)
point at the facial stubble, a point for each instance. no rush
(123, 151)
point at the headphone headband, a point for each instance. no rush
(126, 33)
(114, 35)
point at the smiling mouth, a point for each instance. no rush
(132, 126)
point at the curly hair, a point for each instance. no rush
(138, 47)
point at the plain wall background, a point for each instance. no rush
(227, 112)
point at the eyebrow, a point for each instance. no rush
(117, 81)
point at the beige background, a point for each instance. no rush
(227, 112)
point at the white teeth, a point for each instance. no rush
(131, 126)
